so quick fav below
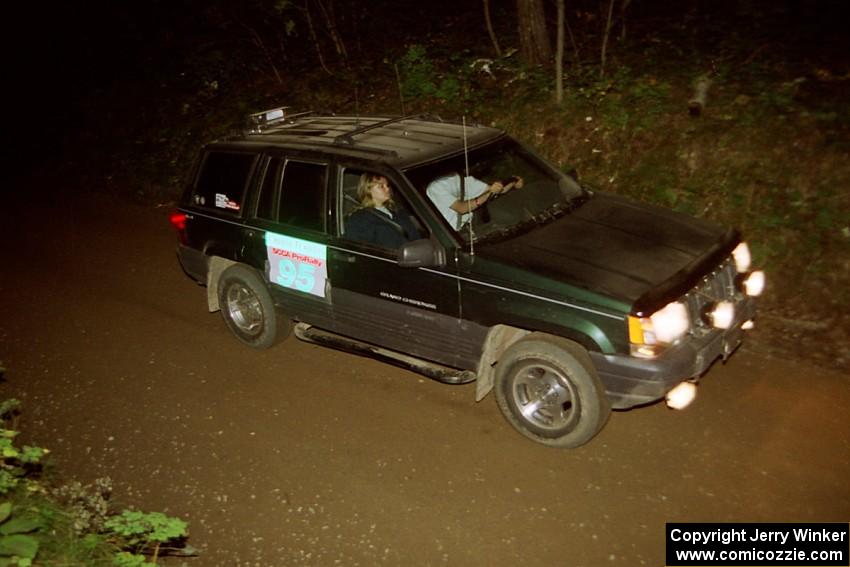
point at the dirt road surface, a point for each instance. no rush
(306, 456)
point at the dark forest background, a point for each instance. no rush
(118, 97)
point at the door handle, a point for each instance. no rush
(344, 257)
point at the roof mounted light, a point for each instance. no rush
(259, 121)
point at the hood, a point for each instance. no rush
(630, 251)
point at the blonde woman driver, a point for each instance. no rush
(378, 220)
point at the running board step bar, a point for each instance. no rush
(438, 372)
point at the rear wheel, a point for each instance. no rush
(248, 309)
(548, 390)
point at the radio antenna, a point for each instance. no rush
(356, 105)
(462, 183)
(400, 93)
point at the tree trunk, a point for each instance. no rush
(576, 54)
(331, 28)
(490, 31)
(535, 48)
(559, 55)
(257, 39)
(697, 102)
(623, 9)
(605, 40)
(315, 37)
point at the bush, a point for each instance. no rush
(72, 524)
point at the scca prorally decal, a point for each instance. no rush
(297, 264)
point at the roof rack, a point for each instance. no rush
(348, 137)
(261, 121)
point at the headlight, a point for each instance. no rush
(649, 335)
(743, 258)
(671, 322)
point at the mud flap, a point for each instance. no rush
(217, 266)
(499, 338)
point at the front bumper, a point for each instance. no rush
(630, 381)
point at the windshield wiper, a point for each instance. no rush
(547, 215)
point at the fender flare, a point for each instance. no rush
(499, 338)
(217, 265)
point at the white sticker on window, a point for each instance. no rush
(297, 264)
(222, 202)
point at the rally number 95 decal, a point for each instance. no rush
(297, 264)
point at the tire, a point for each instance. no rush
(548, 390)
(248, 310)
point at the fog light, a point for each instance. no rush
(754, 284)
(721, 314)
(682, 395)
(748, 325)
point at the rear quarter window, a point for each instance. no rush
(222, 180)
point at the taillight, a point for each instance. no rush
(178, 220)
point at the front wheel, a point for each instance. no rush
(248, 309)
(548, 390)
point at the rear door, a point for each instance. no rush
(287, 236)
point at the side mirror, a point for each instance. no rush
(419, 254)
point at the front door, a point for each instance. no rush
(411, 310)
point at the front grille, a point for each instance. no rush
(718, 285)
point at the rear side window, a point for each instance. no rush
(222, 180)
(302, 197)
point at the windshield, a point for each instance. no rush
(536, 191)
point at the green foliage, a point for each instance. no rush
(419, 77)
(143, 532)
(72, 524)
(127, 559)
(17, 545)
(9, 407)
(417, 73)
(15, 462)
(140, 528)
(88, 505)
(623, 101)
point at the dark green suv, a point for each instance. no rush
(457, 252)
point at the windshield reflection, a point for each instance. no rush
(542, 194)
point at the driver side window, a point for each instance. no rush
(373, 212)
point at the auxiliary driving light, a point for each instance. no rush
(754, 283)
(681, 396)
(747, 325)
(742, 257)
(720, 315)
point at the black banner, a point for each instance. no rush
(758, 545)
